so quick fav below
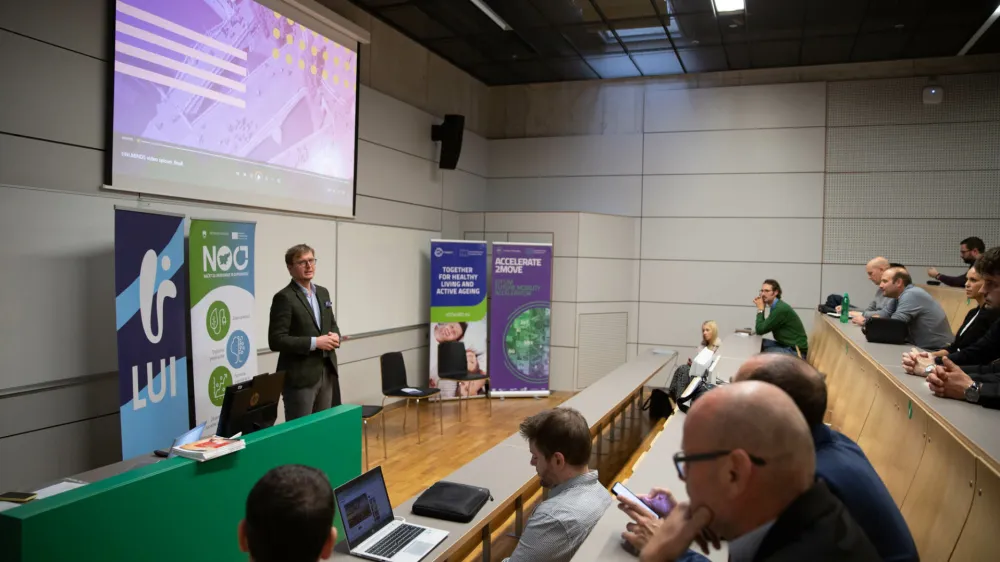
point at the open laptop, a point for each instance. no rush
(372, 531)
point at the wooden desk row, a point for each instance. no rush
(954, 302)
(940, 458)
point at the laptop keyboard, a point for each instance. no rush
(395, 541)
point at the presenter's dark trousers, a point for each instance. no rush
(318, 397)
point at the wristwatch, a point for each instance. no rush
(929, 369)
(972, 392)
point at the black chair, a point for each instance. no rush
(367, 413)
(453, 366)
(393, 383)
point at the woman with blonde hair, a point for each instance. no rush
(710, 336)
(682, 376)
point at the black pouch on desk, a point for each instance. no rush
(886, 330)
(451, 501)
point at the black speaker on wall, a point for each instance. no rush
(449, 134)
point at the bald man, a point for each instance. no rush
(840, 463)
(879, 306)
(749, 465)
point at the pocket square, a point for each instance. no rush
(328, 304)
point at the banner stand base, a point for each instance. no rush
(501, 394)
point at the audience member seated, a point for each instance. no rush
(559, 441)
(977, 323)
(970, 249)
(289, 517)
(682, 374)
(880, 305)
(926, 320)
(749, 465)
(977, 383)
(840, 463)
(782, 321)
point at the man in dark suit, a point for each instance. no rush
(749, 465)
(304, 332)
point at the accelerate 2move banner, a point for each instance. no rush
(152, 330)
(520, 319)
(458, 309)
(222, 302)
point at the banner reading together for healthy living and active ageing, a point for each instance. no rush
(152, 333)
(458, 309)
(520, 319)
(221, 254)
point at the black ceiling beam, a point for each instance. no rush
(667, 31)
(854, 44)
(611, 28)
(558, 30)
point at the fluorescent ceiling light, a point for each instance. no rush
(982, 29)
(493, 15)
(730, 6)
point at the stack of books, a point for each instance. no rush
(209, 448)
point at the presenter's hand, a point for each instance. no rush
(326, 343)
(932, 272)
(336, 339)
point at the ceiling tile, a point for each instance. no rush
(573, 68)
(462, 17)
(625, 9)
(653, 63)
(770, 54)
(613, 66)
(379, 3)
(592, 39)
(644, 34)
(704, 59)
(880, 46)
(457, 51)
(943, 42)
(843, 17)
(739, 56)
(547, 42)
(694, 30)
(500, 45)
(415, 22)
(890, 16)
(988, 43)
(519, 14)
(827, 50)
(534, 71)
(496, 74)
(776, 19)
(562, 12)
(689, 6)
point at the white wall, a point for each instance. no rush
(58, 391)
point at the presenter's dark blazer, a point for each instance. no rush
(291, 327)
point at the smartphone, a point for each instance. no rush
(17, 497)
(620, 491)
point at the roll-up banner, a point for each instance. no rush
(150, 288)
(520, 319)
(458, 309)
(223, 344)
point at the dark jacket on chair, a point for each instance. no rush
(816, 527)
(290, 333)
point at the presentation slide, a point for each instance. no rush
(231, 101)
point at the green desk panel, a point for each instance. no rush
(178, 509)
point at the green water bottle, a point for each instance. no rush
(845, 310)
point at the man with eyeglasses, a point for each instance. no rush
(303, 330)
(749, 467)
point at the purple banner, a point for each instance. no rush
(520, 317)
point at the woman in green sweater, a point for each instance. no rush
(782, 321)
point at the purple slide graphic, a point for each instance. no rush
(236, 79)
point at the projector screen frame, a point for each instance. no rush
(109, 114)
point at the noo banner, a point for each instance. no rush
(520, 319)
(223, 348)
(458, 308)
(152, 330)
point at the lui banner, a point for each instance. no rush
(521, 319)
(223, 352)
(150, 286)
(458, 310)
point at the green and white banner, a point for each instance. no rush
(223, 350)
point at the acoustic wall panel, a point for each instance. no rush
(463, 192)
(729, 283)
(28, 162)
(899, 101)
(564, 279)
(735, 152)
(388, 122)
(389, 174)
(617, 195)
(916, 195)
(733, 195)
(606, 236)
(79, 26)
(591, 155)
(732, 239)
(744, 107)
(907, 241)
(562, 368)
(563, 226)
(630, 308)
(602, 346)
(680, 324)
(607, 280)
(564, 324)
(907, 148)
(370, 210)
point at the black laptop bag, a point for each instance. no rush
(451, 501)
(886, 330)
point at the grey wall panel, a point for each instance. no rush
(899, 100)
(360, 381)
(851, 279)
(397, 176)
(932, 147)
(744, 240)
(29, 411)
(733, 195)
(734, 152)
(34, 86)
(35, 163)
(463, 192)
(451, 226)
(680, 324)
(745, 107)
(391, 213)
(32, 459)
(727, 283)
(593, 155)
(379, 119)
(78, 25)
(908, 241)
(917, 195)
(618, 195)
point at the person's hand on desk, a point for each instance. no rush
(675, 533)
(759, 303)
(915, 362)
(932, 272)
(949, 381)
(857, 319)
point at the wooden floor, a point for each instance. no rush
(412, 467)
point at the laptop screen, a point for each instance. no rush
(190, 437)
(364, 506)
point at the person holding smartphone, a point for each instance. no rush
(647, 512)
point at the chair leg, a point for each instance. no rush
(364, 432)
(440, 402)
(385, 446)
(406, 410)
(459, 394)
(488, 399)
(418, 420)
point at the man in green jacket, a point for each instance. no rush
(782, 321)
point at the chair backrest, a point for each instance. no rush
(393, 371)
(451, 359)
